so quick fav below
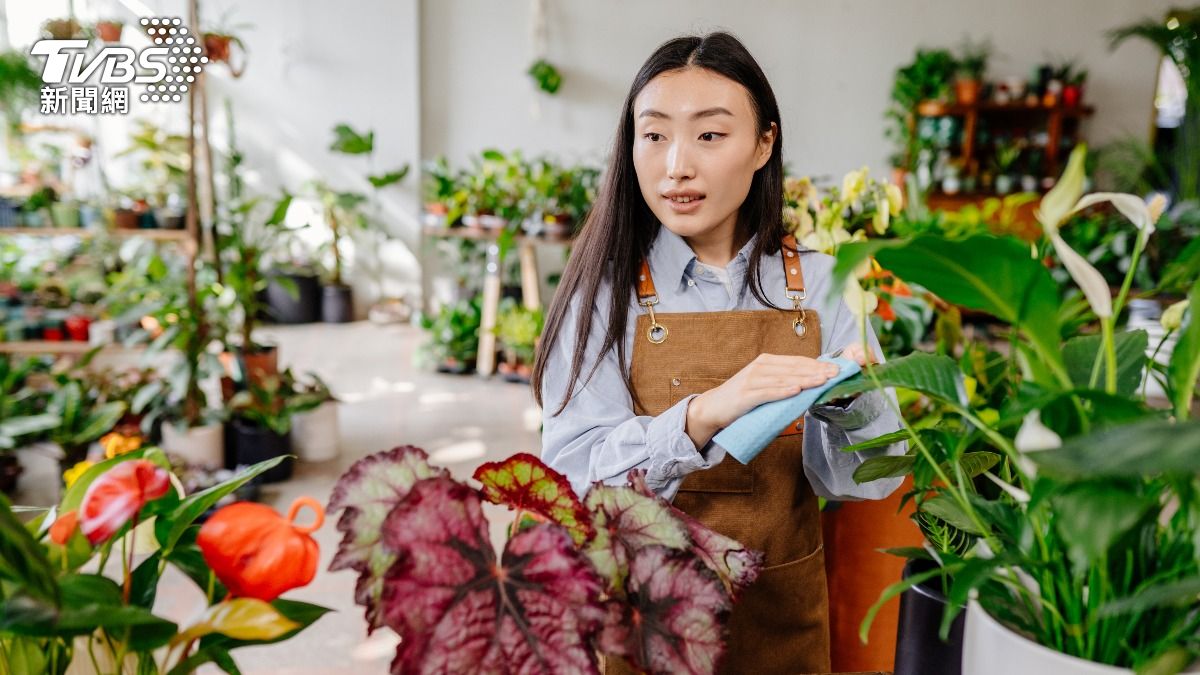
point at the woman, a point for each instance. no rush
(684, 306)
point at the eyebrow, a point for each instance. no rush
(709, 112)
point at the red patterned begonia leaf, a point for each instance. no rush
(626, 521)
(736, 565)
(459, 610)
(366, 494)
(675, 616)
(526, 484)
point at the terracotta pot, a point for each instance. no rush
(216, 46)
(966, 92)
(109, 31)
(257, 366)
(857, 574)
(125, 219)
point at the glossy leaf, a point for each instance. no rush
(22, 559)
(457, 610)
(239, 618)
(886, 466)
(366, 494)
(1145, 448)
(1184, 367)
(170, 529)
(933, 375)
(524, 483)
(1080, 355)
(1091, 516)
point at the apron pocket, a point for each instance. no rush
(730, 476)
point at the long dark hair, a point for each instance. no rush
(621, 226)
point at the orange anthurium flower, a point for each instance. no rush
(258, 553)
(885, 311)
(64, 527)
(117, 495)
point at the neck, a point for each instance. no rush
(719, 245)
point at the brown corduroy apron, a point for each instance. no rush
(780, 624)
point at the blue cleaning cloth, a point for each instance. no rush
(755, 430)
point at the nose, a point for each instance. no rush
(679, 163)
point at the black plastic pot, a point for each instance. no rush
(304, 307)
(337, 303)
(919, 650)
(10, 471)
(250, 444)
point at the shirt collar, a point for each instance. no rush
(671, 257)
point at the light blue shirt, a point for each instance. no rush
(597, 437)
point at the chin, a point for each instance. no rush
(685, 226)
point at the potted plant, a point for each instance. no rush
(1007, 154)
(75, 618)
(83, 418)
(261, 425)
(926, 78)
(518, 329)
(445, 197)
(453, 341)
(219, 44)
(344, 210)
(109, 30)
(971, 64)
(315, 420)
(418, 542)
(495, 189)
(545, 76)
(63, 29)
(21, 416)
(294, 289)
(163, 161)
(246, 237)
(20, 85)
(1082, 523)
(1073, 79)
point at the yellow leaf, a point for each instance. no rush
(240, 619)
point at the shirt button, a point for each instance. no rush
(675, 381)
(691, 282)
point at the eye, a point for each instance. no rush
(648, 136)
(712, 133)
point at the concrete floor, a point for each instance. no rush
(461, 421)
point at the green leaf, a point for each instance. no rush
(144, 581)
(1181, 592)
(389, 178)
(1091, 516)
(887, 466)
(991, 274)
(1080, 355)
(1184, 367)
(100, 422)
(279, 212)
(1146, 448)
(975, 463)
(944, 507)
(13, 428)
(350, 142)
(879, 441)
(933, 375)
(168, 530)
(890, 592)
(145, 395)
(22, 559)
(241, 619)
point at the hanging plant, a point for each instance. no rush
(546, 76)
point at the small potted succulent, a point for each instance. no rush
(1007, 154)
(445, 196)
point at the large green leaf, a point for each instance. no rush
(169, 529)
(347, 140)
(15, 427)
(1181, 592)
(1184, 368)
(991, 274)
(22, 559)
(1144, 448)
(944, 507)
(933, 375)
(386, 179)
(1091, 516)
(1081, 352)
(876, 468)
(99, 422)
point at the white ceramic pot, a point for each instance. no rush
(989, 648)
(196, 445)
(315, 433)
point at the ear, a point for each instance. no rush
(766, 143)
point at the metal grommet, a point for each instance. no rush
(675, 381)
(657, 333)
(791, 254)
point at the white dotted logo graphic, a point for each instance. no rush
(185, 60)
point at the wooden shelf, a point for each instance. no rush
(53, 347)
(939, 109)
(154, 234)
(490, 234)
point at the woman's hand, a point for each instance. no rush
(769, 377)
(854, 352)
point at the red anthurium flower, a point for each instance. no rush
(64, 527)
(258, 553)
(117, 495)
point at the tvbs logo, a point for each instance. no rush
(168, 69)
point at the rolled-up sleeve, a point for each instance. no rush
(597, 436)
(829, 428)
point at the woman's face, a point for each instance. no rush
(695, 137)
